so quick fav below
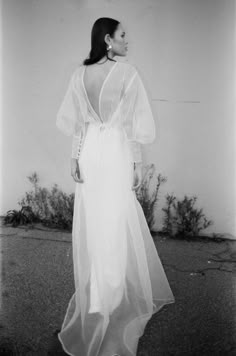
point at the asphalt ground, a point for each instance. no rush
(37, 284)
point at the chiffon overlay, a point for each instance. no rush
(119, 278)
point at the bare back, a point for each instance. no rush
(94, 78)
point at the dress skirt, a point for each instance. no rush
(119, 278)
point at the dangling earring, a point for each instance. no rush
(109, 47)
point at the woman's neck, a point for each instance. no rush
(104, 59)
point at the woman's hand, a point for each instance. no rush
(137, 176)
(75, 171)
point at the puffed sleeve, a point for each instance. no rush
(136, 151)
(144, 130)
(70, 118)
(139, 122)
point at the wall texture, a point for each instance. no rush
(184, 51)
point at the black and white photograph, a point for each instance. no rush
(118, 178)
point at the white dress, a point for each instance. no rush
(119, 278)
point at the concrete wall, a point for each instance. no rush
(185, 53)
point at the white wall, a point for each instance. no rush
(184, 50)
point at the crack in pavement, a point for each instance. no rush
(223, 260)
(198, 271)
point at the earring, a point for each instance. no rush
(109, 47)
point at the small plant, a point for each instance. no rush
(148, 199)
(22, 217)
(168, 218)
(182, 218)
(51, 207)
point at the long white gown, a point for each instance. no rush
(119, 278)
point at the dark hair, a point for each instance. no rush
(101, 27)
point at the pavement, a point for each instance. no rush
(37, 284)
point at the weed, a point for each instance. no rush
(182, 218)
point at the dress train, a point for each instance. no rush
(119, 278)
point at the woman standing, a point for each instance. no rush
(119, 279)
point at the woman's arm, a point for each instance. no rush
(75, 170)
(75, 154)
(137, 178)
(136, 150)
(77, 144)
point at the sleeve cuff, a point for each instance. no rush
(136, 151)
(76, 146)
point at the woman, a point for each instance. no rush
(119, 279)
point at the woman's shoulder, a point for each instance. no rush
(77, 72)
(128, 65)
(129, 70)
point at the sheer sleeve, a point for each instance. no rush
(136, 151)
(77, 142)
(70, 118)
(144, 130)
(139, 121)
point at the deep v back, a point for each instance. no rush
(94, 79)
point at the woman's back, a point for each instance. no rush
(103, 87)
(94, 79)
